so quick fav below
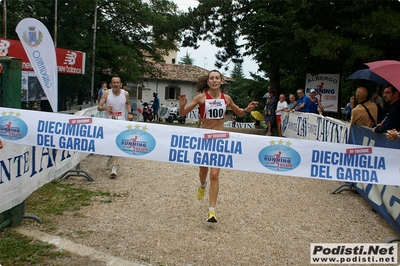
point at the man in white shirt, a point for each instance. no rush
(117, 105)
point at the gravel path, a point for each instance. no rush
(262, 219)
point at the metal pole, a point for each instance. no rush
(55, 22)
(4, 19)
(94, 52)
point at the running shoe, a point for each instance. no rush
(200, 191)
(211, 217)
(113, 172)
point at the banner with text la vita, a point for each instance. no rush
(201, 147)
(39, 48)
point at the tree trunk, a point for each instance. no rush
(274, 76)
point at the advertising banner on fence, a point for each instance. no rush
(384, 199)
(327, 88)
(68, 61)
(23, 169)
(201, 147)
(314, 127)
(39, 48)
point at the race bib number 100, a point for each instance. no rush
(215, 109)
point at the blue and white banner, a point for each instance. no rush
(201, 147)
(384, 199)
(39, 48)
(314, 127)
(25, 168)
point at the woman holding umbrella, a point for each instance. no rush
(212, 104)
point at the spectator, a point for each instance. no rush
(365, 113)
(392, 118)
(377, 99)
(303, 102)
(156, 106)
(233, 119)
(393, 134)
(118, 106)
(349, 107)
(269, 112)
(280, 107)
(101, 91)
(292, 102)
(269, 89)
(315, 104)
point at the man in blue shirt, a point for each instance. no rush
(156, 106)
(101, 90)
(303, 102)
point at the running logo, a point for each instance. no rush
(135, 141)
(12, 127)
(279, 156)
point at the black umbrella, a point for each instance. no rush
(367, 74)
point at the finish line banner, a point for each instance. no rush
(197, 146)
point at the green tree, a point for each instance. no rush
(186, 60)
(237, 72)
(128, 34)
(243, 90)
(290, 38)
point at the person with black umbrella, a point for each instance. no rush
(365, 113)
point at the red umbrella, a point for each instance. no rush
(387, 69)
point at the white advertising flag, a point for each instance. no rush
(39, 47)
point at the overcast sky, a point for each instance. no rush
(204, 56)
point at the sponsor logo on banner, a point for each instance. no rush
(326, 87)
(32, 38)
(39, 47)
(279, 156)
(70, 58)
(68, 61)
(135, 141)
(12, 127)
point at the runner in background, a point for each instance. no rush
(117, 105)
(101, 91)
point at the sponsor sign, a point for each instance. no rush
(68, 61)
(327, 88)
(314, 127)
(39, 48)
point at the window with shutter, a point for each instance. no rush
(140, 90)
(172, 93)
